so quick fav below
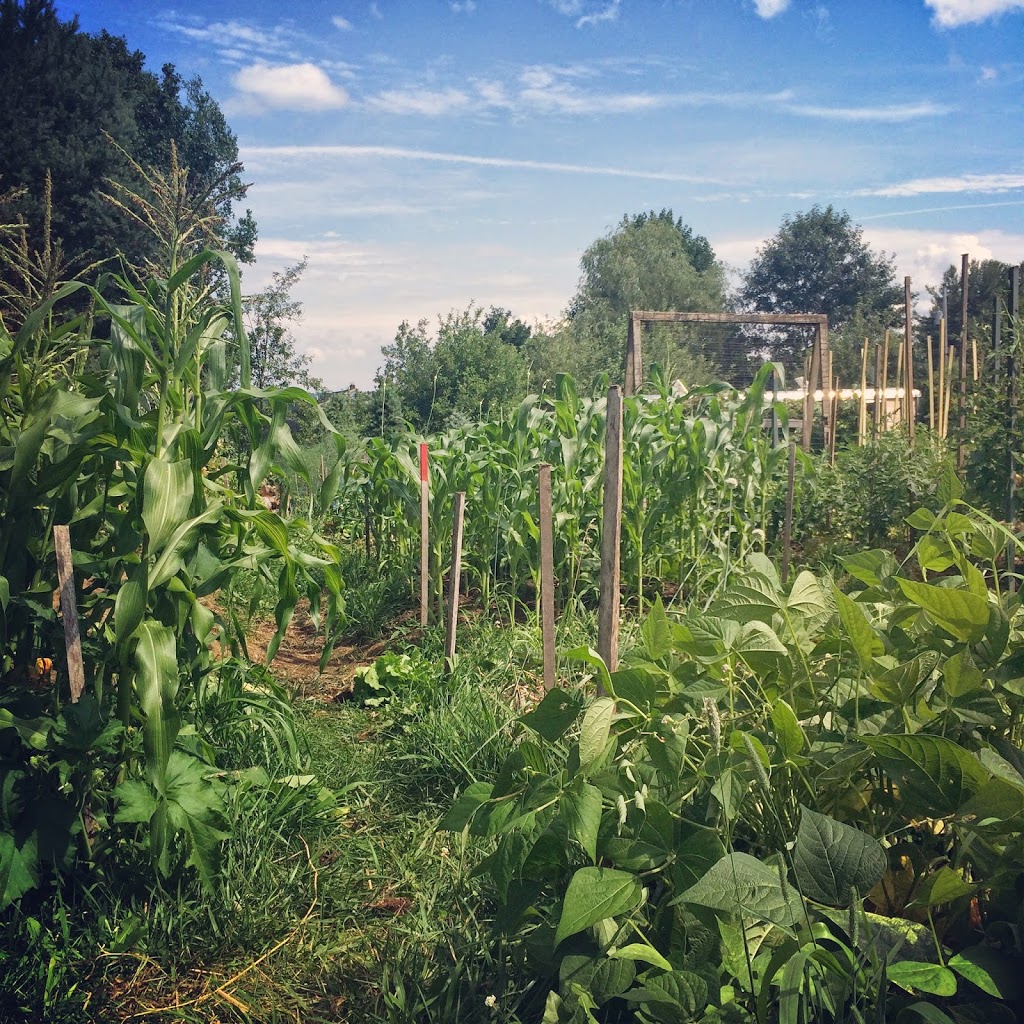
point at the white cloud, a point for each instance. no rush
(255, 156)
(465, 7)
(953, 13)
(290, 87)
(770, 8)
(588, 12)
(609, 13)
(896, 113)
(985, 183)
(343, 23)
(493, 93)
(375, 11)
(425, 102)
(234, 39)
(987, 74)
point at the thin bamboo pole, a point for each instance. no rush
(885, 382)
(931, 386)
(974, 359)
(611, 533)
(862, 407)
(833, 401)
(547, 578)
(942, 377)
(455, 580)
(898, 403)
(877, 411)
(424, 537)
(787, 524)
(908, 361)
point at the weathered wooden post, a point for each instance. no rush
(787, 525)
(931, 384)
(547, 578)
(424, 537)
(908, 361)
(69, 611)
(961, 402)
(1011, 393)
(455, 579)
(611, 529)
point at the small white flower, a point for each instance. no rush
(491, 1002)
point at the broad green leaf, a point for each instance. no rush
(923, 1011)
(590, 657)
(33, 732)
(580, 808)
(806, 600)
(640, 951)
(638, 686)
(950, 488)
(871, 567)
(195, 807)
(603, 978)
(166, 499)
(942, 886)
(130, 603)
(960, 675)
(172, 559)
(554, 714)
(657, 631)
(594, 894)
(595, 730)
(156, 682)
(830, 859)
(934, 553)
(860, 632)
(741, 884)
(788, 732)
(993, 972)
(673, 998)
(465, 807)
(915, 976)
(935, 775)
(960, 613)
(18, 868)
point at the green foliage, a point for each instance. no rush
(788, 808)
(651, 262)
(472, 370)
(818, 262)
(65, 90)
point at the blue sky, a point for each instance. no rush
(426, 154)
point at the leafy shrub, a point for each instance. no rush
(797, 805)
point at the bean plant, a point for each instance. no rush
(800, 803)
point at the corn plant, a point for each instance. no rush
(153, 455)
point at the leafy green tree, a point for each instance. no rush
(65, 95)
(468, 371)
(650, 261)
(987, 280)
(269, 315)
(818, 262)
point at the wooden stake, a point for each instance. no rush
(877, 411)
(942, 376)
(898, 403)
(815, 375)
(961, 401)
(931, 385)
(908, 362)
(455, 579)
(949, 389)
(547, 578)
(787, 525)
(885, 382)
(69, 611)
(629, 376)
(424, 537)
(833, 402)
(611, 529)
(862, 406)
(805, 430)
(974, 359)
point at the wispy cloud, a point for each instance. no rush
(256, 154)
(235, 39)
(465, 7)
(954, 13)
(770, 8)
(939, 209)
(343, 23)
(984, 183)
(588, 12)
(423, 102)
(289, 87)
(896, 113)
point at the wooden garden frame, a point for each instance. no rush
(821, 358)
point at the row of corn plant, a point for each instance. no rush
(702, 486)
(131, 427)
